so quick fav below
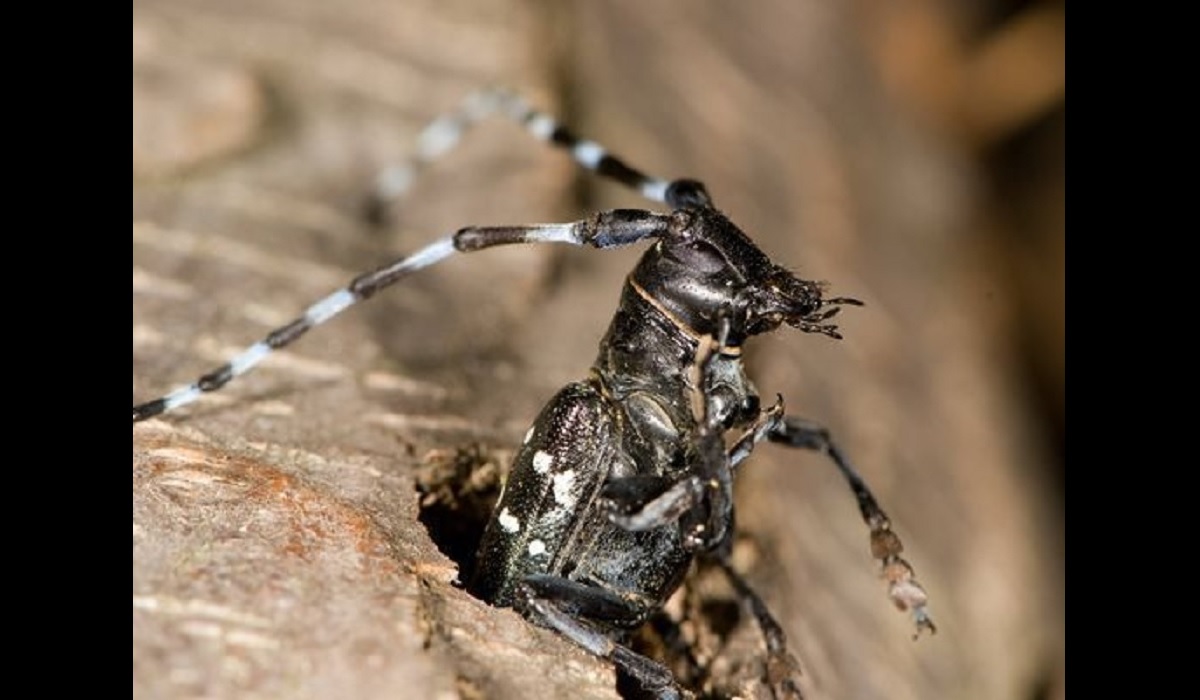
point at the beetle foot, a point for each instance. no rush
(903, 588)
(782, 670)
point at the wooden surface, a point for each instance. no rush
(277, 550)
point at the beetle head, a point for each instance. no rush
(707, 268)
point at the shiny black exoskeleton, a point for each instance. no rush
(626, 477)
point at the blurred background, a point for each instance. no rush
(909, 152)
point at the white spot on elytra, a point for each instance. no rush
(562, 488)
(537, 547)
(542, 461)
(508, 521)
(528, 434)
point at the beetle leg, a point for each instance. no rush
(759, 431)
(581, 600)
(641, 502)
(558, 603)
(663, 509)
(781, 665)
(903, 588)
